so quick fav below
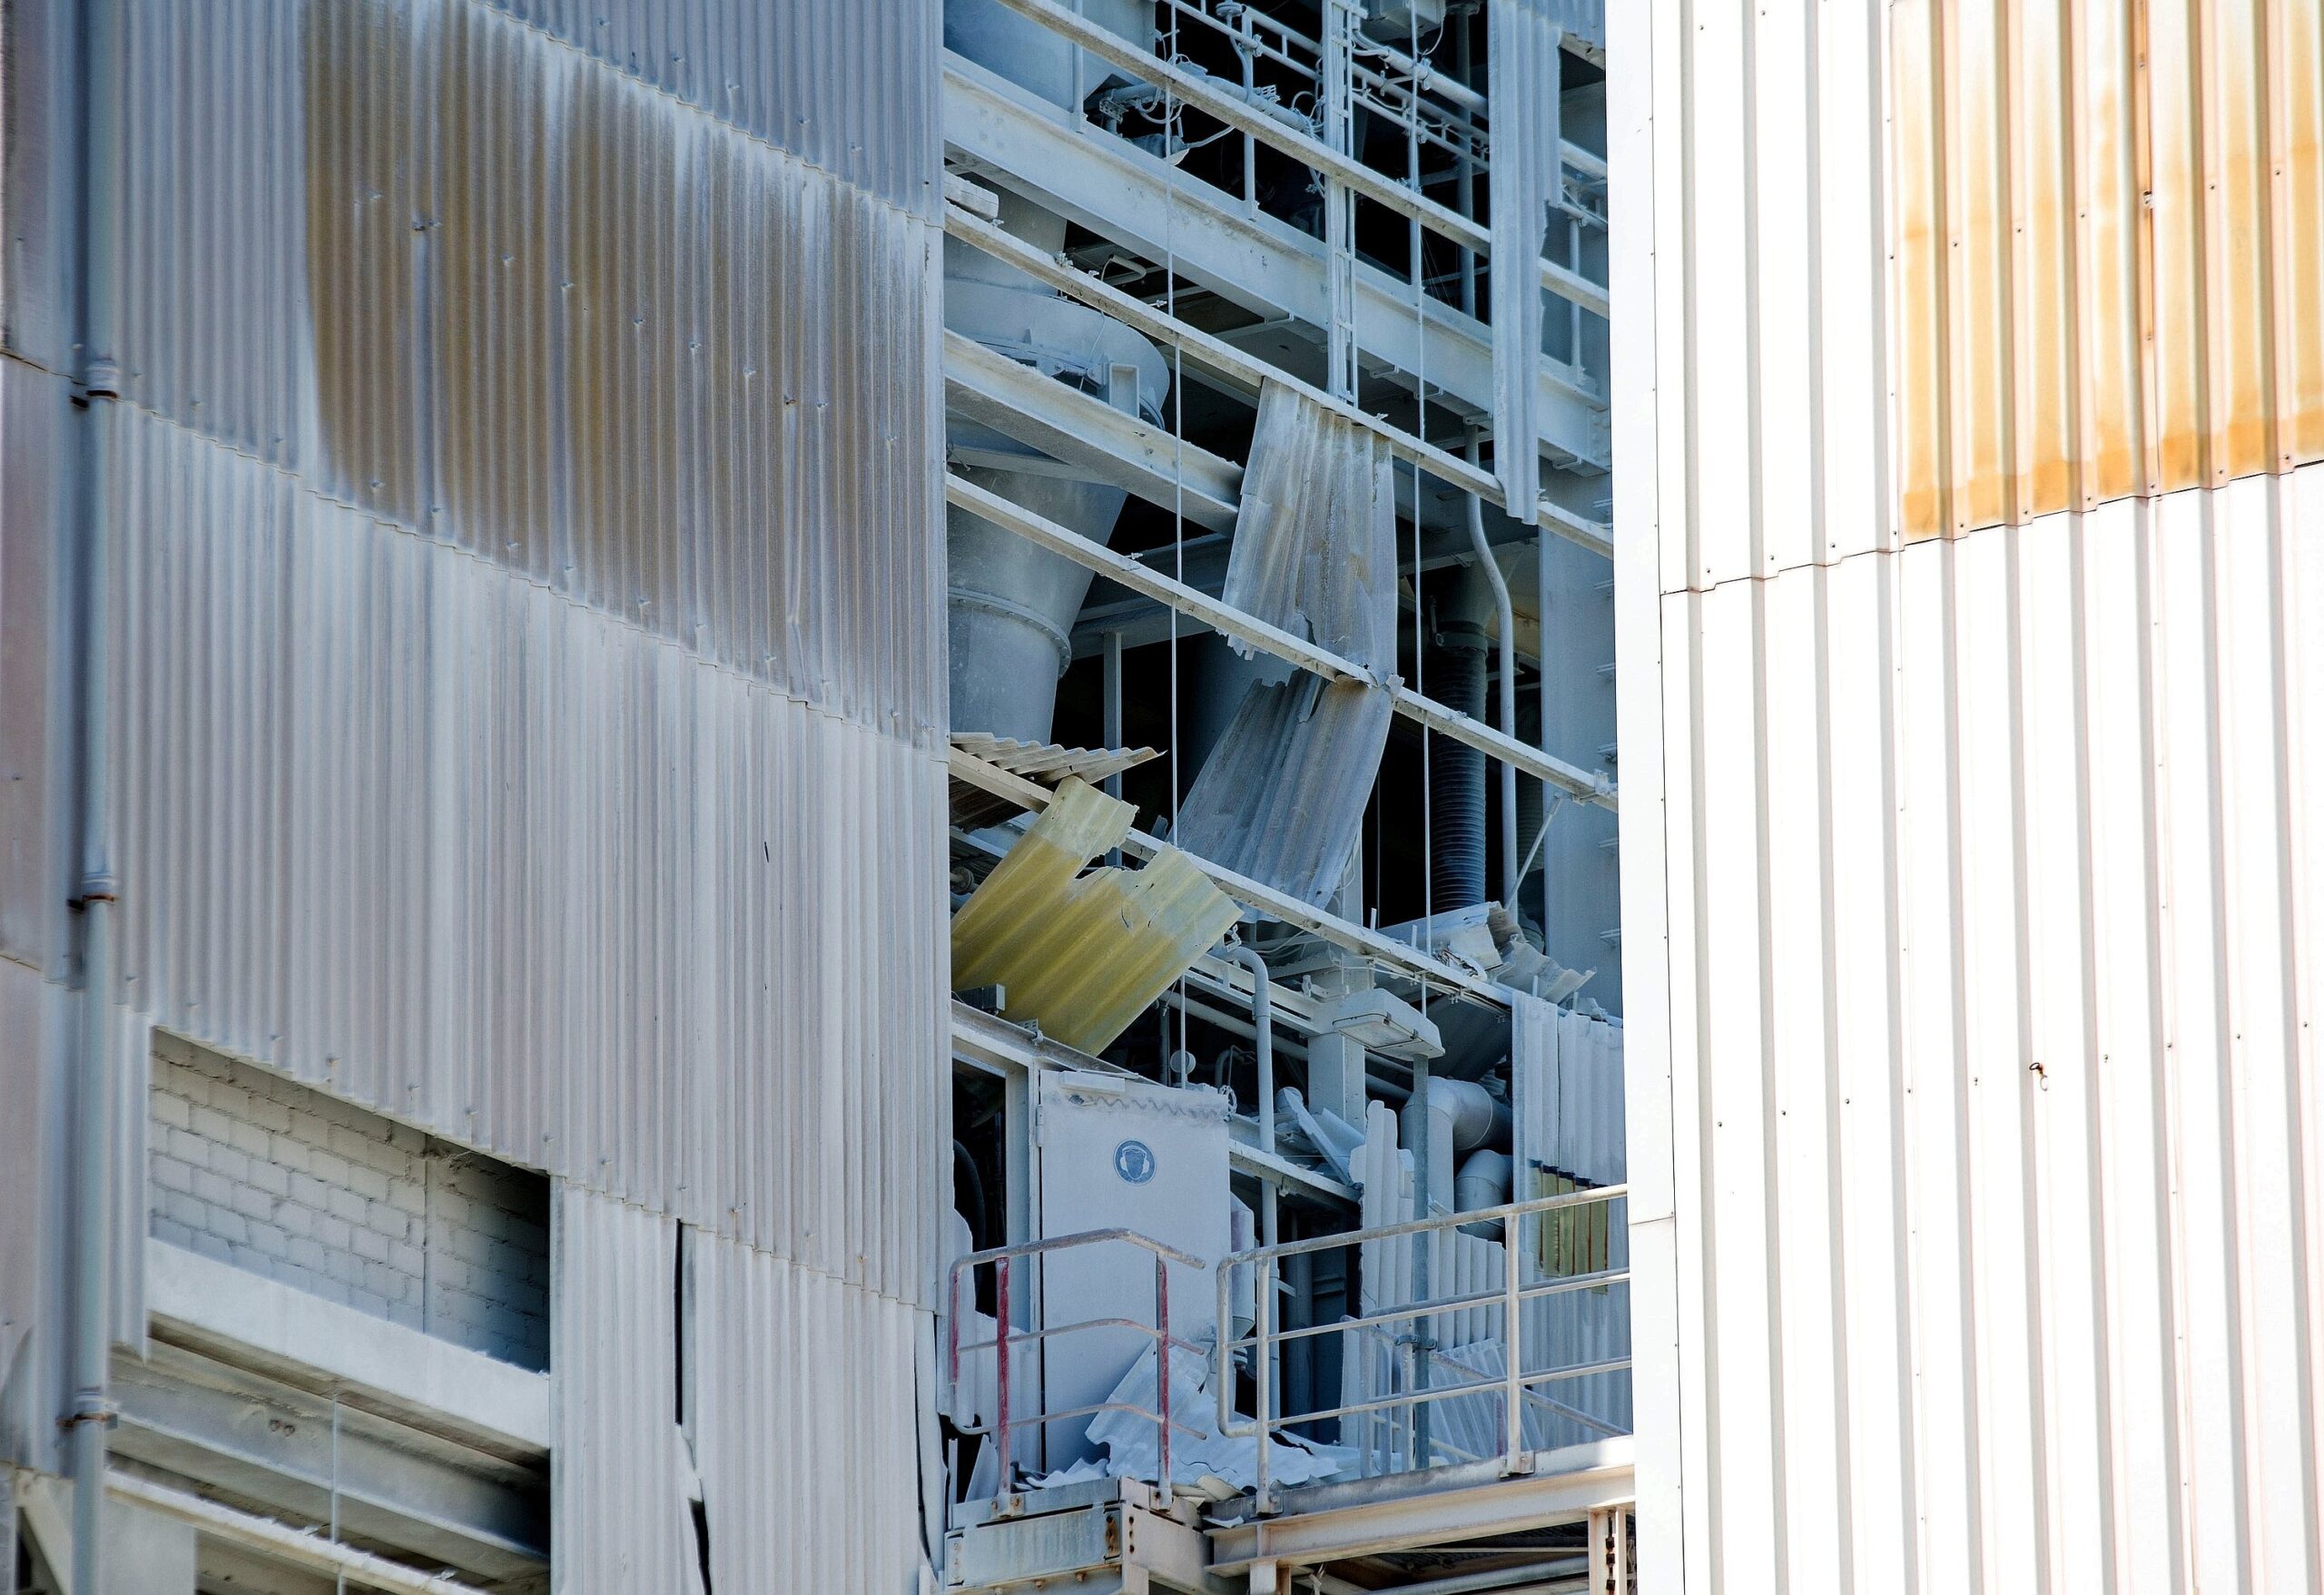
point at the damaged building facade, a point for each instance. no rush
(1161, 795)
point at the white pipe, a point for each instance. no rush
(1263, 1038)
(1509, 862)
(303, 1547)
(1263, 1045)
(92, 1181)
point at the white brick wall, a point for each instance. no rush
(289, 1182)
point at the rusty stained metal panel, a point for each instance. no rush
(1083, 954)
(2109, 223)
(852, 88)
(462, 274)
(420, 831)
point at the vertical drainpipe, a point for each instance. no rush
(1263, 1033)
(101, 50)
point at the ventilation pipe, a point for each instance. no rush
(1485, 1181)
(1011, 609)
(1456, 678)
(1012, 606)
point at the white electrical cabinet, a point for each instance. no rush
(1122, 1153)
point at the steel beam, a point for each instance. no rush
(1089, 435)
(1588, 785)
(1305, 148)
(1443, 1506)
(1271, 269)
(1243, 372)
(272, 1446)
(302, 1548)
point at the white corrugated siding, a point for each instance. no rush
(619, 1518)
(812, 1397)
(1995, 1115)
(1973, 913)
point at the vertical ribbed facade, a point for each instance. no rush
(529, 659)
(2109, 251)
(1970, 895)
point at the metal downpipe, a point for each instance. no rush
(1263, 1050)
(100, 378)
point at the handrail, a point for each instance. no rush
(1515, 1383)
(1006, 1336)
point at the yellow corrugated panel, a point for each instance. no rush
(2109, 247)
(1083, 954)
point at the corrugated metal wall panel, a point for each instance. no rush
(37, 1030)
(426, 835)
(809, 1432)
(852, 88)
(1994, 928)
(1525, 78)
(618, 1512)
(1280, 797)
(37, 748)
(1979, 1200)
(2109, 268)
(452, 271)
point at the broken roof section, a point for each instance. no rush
(1281, 798)
(1081, 955)
(1314, 548)
(1046, 764)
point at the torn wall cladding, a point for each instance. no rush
(778, 1359)
(1315, 549)
(1083, 955)
(1280, 797)
(2109, 250)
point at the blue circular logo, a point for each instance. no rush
(1133, 1161)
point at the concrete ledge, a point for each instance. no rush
(396, 1366)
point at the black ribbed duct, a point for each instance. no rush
(1456, 779)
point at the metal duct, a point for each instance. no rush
(1030, 56)
(1456, 778)
(1011, 607)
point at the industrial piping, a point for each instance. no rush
(100, 378)
(1512, 866)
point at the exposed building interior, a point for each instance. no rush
(1283, 842)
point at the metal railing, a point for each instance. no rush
(1515, 1384)
(1008, 1337)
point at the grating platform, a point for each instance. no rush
(1115, 1535)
